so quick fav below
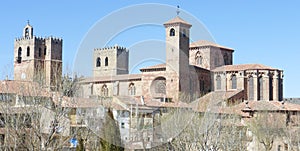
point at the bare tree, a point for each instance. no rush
(33, 117)
(266, 127)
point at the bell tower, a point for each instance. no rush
(28, 31)
(38, 59)
(177, 56)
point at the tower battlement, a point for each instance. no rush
(116, 47)
(55, 39)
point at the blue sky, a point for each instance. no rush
(265, 32)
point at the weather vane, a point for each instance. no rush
(177, 11)
(28, 21)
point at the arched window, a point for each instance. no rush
(19, 57)
(131, 89)
(198, 58)
(98, 62)
(28, 51)
(233, 82)
(183, 33)
(106, 61)
(26, 32)
(104, 90)
(260, 88)
(271, 87)
(158, 86)
(45, 51)
(216, 59)
(172, 32)
(218, 81)
(251, 88)
(40, 52)
(226, 59)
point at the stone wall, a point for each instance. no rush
(116, 58)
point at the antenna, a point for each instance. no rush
(177, 11)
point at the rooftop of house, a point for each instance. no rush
(23, 88)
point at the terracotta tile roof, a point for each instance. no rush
(243, 67)
(263, 106)
(121, 77)
(212, 101)
(18, 110)
(201, 43)
(154, 103)
(158, 66)
(177, 19)
(76, 102)
(23, 88)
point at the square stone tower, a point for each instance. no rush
(110, 61)
(38, 59)
(177, 57)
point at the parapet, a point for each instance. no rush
(58, 40)
(116, 47)
(54, 39)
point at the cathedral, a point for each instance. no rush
(192, 72)
(191, 69)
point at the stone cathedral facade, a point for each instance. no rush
(191, 69)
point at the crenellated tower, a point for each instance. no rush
(38, 59)
(110, 61)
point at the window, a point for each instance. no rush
(280, 87)
(98, 62)
(251, 88)
(40, 52)
(28, 51)
(226, 59)
(131, 89)
(104, 90)
(202, 87)
(106, 61)
(233, 82)
(271, 87)
(172, 32)
(218, 81)
(92, 88)
(216, 59)
(198, 58)
(45, 51)
(122, 125)
(160, 86)
(183, 33)
(26, 33)
(279, 148)
(260, 88)
(19, 57)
